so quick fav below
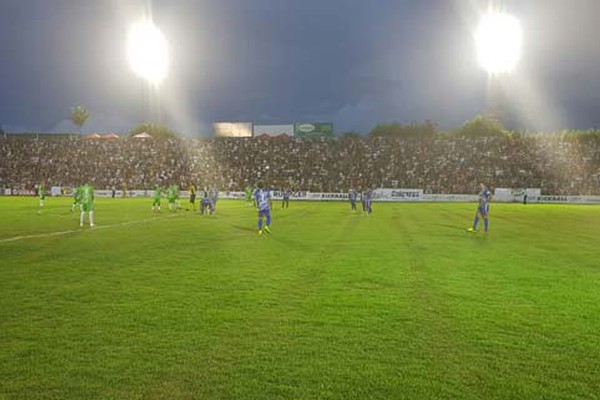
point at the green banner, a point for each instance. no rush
(314, 130)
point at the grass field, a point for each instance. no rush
(403, 304)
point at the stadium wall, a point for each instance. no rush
(381, 195)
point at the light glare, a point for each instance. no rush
(147, 52)
(498, 39)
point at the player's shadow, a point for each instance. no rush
(243, 228)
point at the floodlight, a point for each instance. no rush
(147, 51)
(498, 39)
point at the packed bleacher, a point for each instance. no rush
(555, 164)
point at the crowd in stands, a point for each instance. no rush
(557, 165)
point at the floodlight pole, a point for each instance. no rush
(494, 97)
(154, 90)
(498, 104)
(150, 101)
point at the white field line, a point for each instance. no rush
(60, 233)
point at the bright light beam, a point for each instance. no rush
(498, 39)
(147, 52)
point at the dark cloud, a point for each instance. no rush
(274, 61)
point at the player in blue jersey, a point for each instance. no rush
(361, 198)
(213, 195)
(206, 205)
(483, 208)
(262, 197)
(285, 202)
(352, 196)
(367, 198)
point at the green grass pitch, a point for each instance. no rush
(403, 304)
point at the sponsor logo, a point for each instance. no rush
(306, 128)
(405, 194)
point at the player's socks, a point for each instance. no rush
(91, 218)
(475, 223)
(486, 223)
(260, 224)
(81, 216)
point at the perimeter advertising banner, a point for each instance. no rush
(314, 130)
(233, 129)
(398, 194)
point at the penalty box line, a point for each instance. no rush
(61, 233)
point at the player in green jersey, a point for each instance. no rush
(156, 202)
(249, 192)
(86, 203)
(173, 197)
(76, 198)
(41, 194)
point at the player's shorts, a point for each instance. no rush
(484, 209)
(156, 202)
(192, 198)
(87, 207)
(264, 213)
(42, 196)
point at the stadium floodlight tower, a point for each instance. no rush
(148, 56)
(498, 40)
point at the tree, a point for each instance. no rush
(426, 129)
(79, 115)
(156, 130)
(350, 135)
(482, 126)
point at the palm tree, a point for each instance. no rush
(79, 115)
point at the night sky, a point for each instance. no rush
(353, 62)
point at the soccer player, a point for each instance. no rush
(193, 197)
(213, 195)
(173, 197)
(483, 209)
(76, 198)
(285, 203)
(248, 191)
(352, 196)
(263, 203)
(363, 200)
(41, 194)
(87, 203)
(367, 201)
(206, 206)
(156, 198)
